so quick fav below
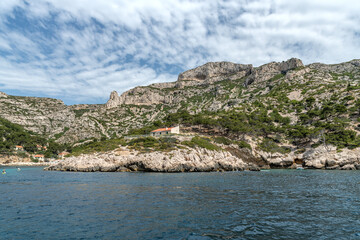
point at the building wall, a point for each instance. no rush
(175, 130)
(164, 133)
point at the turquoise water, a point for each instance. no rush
(276, 204)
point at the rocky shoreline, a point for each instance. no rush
(181, 160)
(323, 157)
(24, 164)
(202, 160)
(16, 161)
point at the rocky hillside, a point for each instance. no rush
(282, 103)
(52, 118)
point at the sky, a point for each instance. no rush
(79, 50)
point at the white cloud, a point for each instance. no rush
(82, 50)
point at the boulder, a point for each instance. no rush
(334, 167)
(357, 166)
(348, 167)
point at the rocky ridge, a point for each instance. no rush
(52, 118)
(211, 87)
(195, 160)
(322, 157)
(182, 160)
(206, 74)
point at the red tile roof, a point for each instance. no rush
(39, 155)
(19, 146)
(162, 130)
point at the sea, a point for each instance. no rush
(272, 204)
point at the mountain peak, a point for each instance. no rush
(2, 94)
(214, 69)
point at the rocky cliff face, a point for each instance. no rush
(51, 117)
(212, 72)
(211, 87)
(190, 160)
(267, 71)
(204, 75)
(202, 160)
(337, 68)
(3, 95)
(316, 158)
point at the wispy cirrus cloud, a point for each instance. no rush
(81, 50)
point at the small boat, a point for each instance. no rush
(299, 167)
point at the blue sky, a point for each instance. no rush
(79, 51)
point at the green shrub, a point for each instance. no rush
(189, 144)
(143, 141)
(204, 143)
(268, 145)
(223, 140)
(97, 146)
(243, 144)
(315, 145)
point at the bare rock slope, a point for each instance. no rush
(194, 160)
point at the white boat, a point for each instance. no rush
(299, 167)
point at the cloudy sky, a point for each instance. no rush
(81, 50)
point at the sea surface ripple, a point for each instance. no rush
(275, 204)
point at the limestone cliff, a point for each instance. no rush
(289, 87)
(190, 160)
(267, 71)
(212, 72)
(204, 75)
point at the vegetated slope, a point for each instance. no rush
(304, 107)
(52, 118)
(277, 106)
(14, 134)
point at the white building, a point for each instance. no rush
(39, 157)
(165, 131)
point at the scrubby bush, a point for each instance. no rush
(202, 143)
(97, 146)
(268, 145)
(243, 144)
(223, 140)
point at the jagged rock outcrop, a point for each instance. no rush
(154, 94)
(113, 101)
(337, 68)
(52, 118)
(212, 72)
(184, 160)
(206, 74)
(267, 71)
(137, 96)
(211, 87)
(319, 158)
(202, 160)
(3, 95)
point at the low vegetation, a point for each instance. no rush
(15, 135)
(97, 146)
